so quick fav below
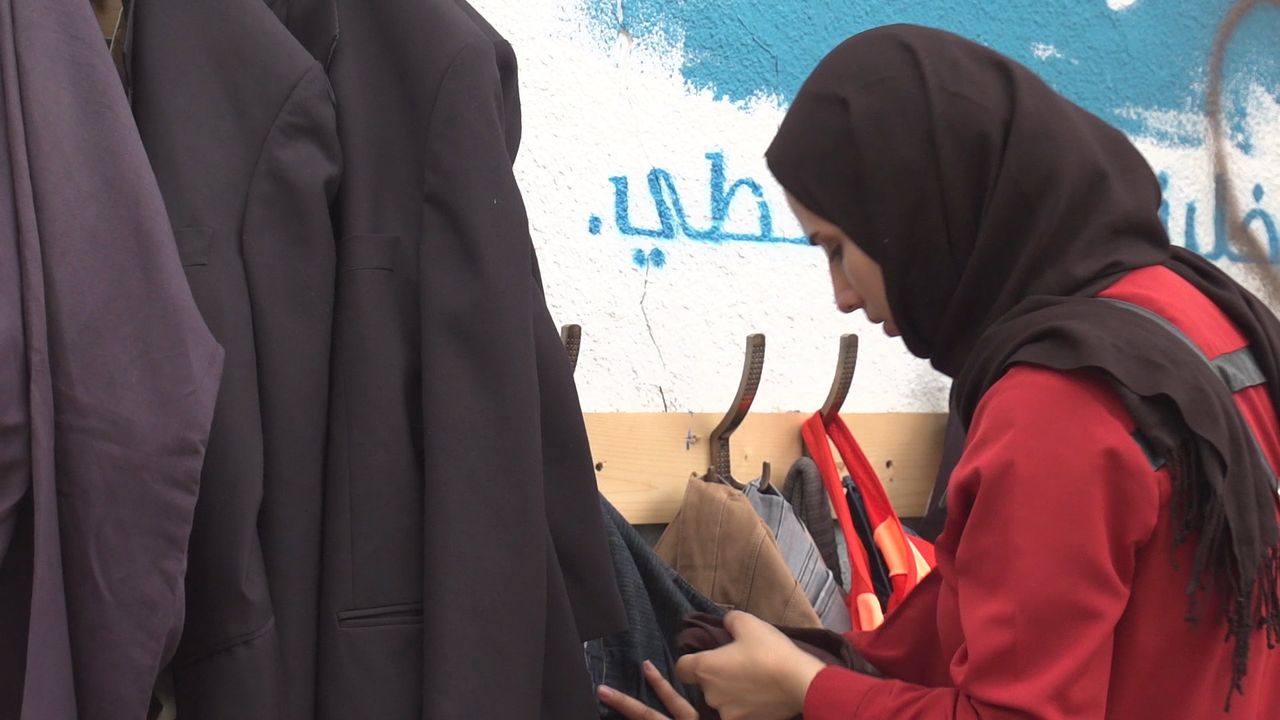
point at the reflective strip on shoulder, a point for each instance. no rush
(1239, 370)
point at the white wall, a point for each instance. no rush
(616, 89)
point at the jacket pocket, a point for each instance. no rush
(407, 614)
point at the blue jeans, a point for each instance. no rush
(656, 600)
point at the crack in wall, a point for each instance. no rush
(777, 73)
(653, 338)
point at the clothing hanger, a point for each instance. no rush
(846, 362)
(752, 369)
(571, 336)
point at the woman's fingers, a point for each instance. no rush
(687, 667)
(629, 707)
(736, 621)
(633, 709)
(670, 697)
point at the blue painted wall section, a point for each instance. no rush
(1150, 56)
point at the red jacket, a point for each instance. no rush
(1056, 595)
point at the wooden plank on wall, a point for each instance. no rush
(643, 460)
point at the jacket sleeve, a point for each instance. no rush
(287, 236)
(289, 253)
(289, 260)
(1058, 498)
(906, 646)
(485, 387)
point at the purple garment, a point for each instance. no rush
(107, 384)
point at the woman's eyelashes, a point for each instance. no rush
(832, 248)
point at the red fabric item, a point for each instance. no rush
(890, 537)
(864, 606)
(926, 550)
(908, 559)
(1058, 593)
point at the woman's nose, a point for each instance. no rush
(847, 299)
(848, 302)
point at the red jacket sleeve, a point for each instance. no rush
(906, 646)
(1048, 508)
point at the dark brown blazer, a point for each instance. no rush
(239, 122)
(465, 555)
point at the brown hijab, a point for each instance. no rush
(997, 209)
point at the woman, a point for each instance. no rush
(1111, 541)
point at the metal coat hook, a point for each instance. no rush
(571, 336)
(752, 368)
(845, 365)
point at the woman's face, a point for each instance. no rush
(856, 279)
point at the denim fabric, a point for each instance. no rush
(656, 600)
(802, 556)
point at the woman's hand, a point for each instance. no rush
(761, 675)
(633, 709)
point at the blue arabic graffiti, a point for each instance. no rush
(655, 258)
(673, 220)
(1257, 221)
(1258, 215)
